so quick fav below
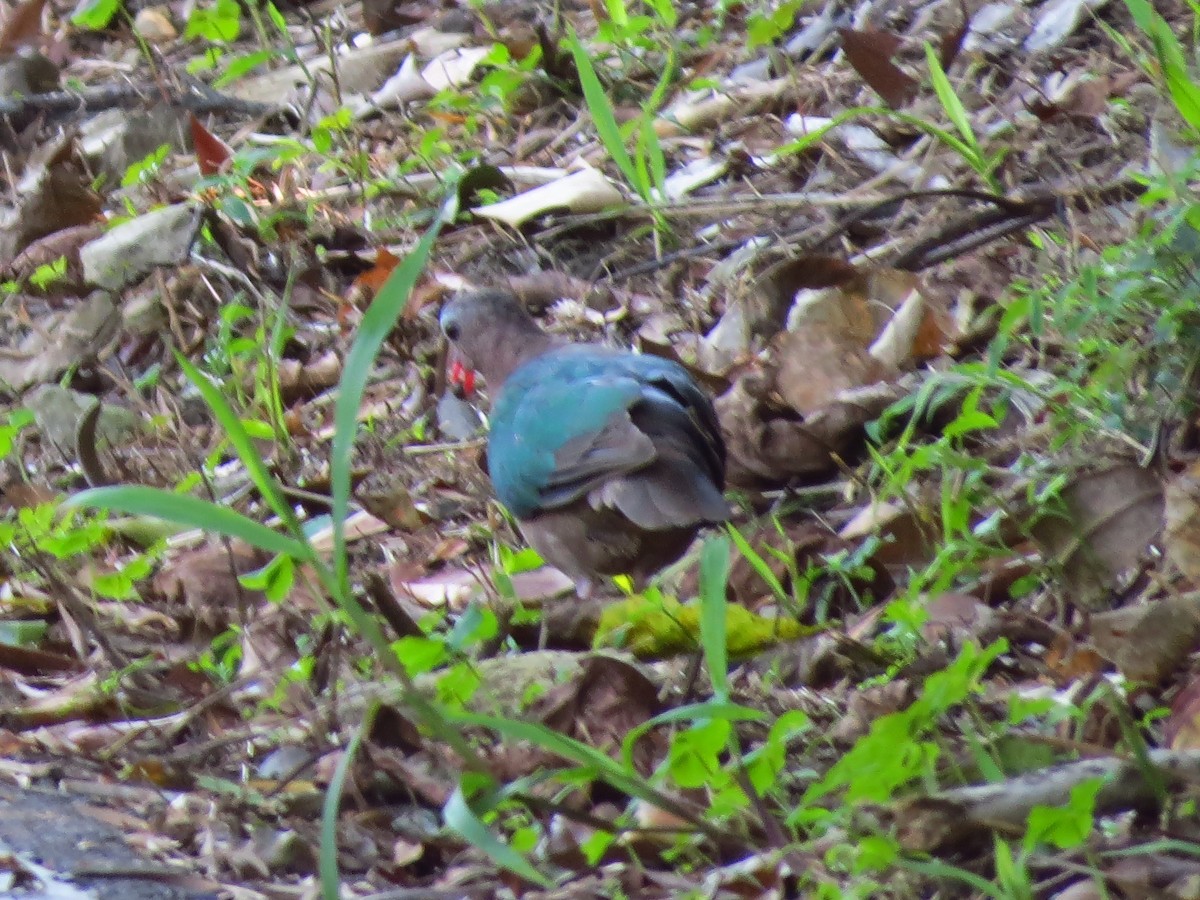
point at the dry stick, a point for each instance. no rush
(960, 236)
(945, 819)
(199, 99)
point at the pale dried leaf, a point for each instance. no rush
(585, 191)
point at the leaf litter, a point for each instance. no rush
(817, 268)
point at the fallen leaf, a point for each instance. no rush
(212, 153)
(870, 53)
(1099, 533)
(22, 26)
(585, 191)
(1149, 642)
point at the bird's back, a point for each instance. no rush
(624, 430)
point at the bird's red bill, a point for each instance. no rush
(462, 379)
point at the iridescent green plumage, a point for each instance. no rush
(610, 460)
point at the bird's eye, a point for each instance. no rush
(452, 330)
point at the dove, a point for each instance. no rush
(609, 460)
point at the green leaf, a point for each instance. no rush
(235, 432)
(220, 23)
(458, 815)
(760, 566)
(694, 759)
(191, 512)
(420, 654)
(244, 64)
(327, 864)
(22, 632)
(377, 323)
(275, 579)
(954, 108)
(602, 113)
(1067, 826)
(95, 14)
(714, 575)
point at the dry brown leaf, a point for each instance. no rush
(205, 580)
(1181, 730)
(1107, 521)
(1069, 661)
(54, 192)
(957, 618)
(212, 153)
(1181, 529)
(59, 341)
(870, 53)
(23, 26)
(1149, 642)
(153, 23)
(602, 704)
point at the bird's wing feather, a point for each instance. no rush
(554, 436)
(569, 423)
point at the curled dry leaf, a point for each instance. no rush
(607, 699)
(212, 153)
(807, 398)
(23, 26)
(154, 24)
(1056, 21)
(1106, 522)
(44, 251)
(698, 111)
(53, 193)
(205, 580)
(770, 444)
(585, 191)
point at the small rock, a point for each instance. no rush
(154, 24)
(132, 249)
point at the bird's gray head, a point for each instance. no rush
(491, 332)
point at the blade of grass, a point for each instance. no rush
(191, 512)
(602, 114)
(458, 815)
(605, 767)
(327, 865)
(953, 106)
(377, 322)
(760, 566)
(714, 575)
(235, 433)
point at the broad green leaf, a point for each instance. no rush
(95, 14)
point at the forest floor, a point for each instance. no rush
(934, 261)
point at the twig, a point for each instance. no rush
(114, 96)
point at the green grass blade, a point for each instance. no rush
(377, 322)
(601, 764)
(327, 865)
(602, 114)
(949, 99)
(236, 434)
(760, 565)
(191, 512)
(714, 575)
(458, 815)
